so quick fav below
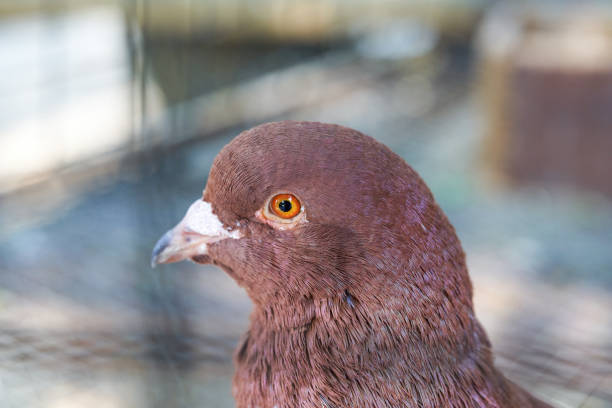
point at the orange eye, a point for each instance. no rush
(285, 206)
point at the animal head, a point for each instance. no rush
(296, 211)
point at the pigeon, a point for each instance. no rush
(361, 295)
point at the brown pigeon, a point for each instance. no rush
(360, 289)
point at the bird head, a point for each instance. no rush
(300, 211)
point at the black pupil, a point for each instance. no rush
(285, 206)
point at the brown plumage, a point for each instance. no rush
(363, 299)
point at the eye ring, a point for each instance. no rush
(283, 208)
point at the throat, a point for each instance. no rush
(332, 348)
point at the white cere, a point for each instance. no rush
(200, 219)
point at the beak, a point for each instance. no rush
(191, 236)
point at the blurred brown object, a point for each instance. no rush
(547, 84)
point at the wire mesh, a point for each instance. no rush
(85, 322)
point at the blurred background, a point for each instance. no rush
(112, 111)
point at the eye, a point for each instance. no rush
(285, 206)
(282, 211)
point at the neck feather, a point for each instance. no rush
(330, 348)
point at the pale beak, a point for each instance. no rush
(191, 236)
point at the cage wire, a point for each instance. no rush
(86, 322)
